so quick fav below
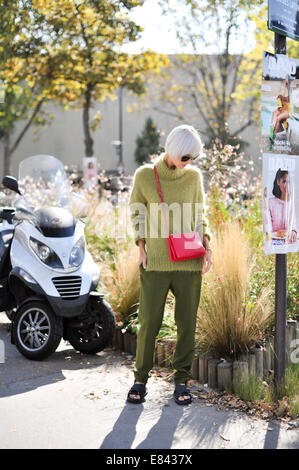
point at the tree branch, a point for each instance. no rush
(26, 127)
(203, 116)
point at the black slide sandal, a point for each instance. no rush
(180, 391)
(137, 389)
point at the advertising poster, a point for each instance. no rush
(90, 171)
(280, 145)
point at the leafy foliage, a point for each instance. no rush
(148, 143)
(87, 60)
(22, 72)
(222, 84)
(68, 51)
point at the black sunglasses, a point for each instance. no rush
(185, 158)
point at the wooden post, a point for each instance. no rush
(127, 342)
(280, 283)
(212, 373)
(160, 353)
(202, 378)
(168, 350)
(244, 357)
(266, 358)
(203, 369)
(224, 375)
(240, 371)
(252, 365)
(115, 339)
(156, 352)
(258, 352)
(271, 342)
(194, 368)
(121, 340)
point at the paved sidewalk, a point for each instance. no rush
(74, 401)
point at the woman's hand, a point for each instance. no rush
(207, 261)
(293, 237)
(142, 259)
(142, 254)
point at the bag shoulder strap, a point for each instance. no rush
(158, 183)
(160, 193)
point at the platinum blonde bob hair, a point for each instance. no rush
(183, 140)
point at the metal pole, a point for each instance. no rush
(280, 285)
(120, 125)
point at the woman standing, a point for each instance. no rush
(183, 193)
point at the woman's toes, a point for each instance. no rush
(135, 396)
(184, 397)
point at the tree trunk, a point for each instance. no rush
(88, 141)
(7, 170)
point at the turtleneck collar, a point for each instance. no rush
(166, 173)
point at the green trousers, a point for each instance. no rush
(154, 287)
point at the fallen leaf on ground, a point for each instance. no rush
(92, 396)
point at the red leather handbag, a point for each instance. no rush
(182, 246)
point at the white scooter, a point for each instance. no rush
(47, 276)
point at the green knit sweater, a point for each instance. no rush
(182, 190)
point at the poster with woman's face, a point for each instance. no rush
(280, 144)
(280, 203)
(280, 104)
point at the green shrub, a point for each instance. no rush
(252, 390)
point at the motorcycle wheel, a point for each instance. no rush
(37, 331)
(94, 337)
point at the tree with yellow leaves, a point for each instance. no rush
(21, 75)
(68, 51)
(87, 60)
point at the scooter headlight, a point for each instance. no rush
(77, 253)
(45, 254)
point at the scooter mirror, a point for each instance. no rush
(11, 183)
(7, 214)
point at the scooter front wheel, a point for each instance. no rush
(93, 337)
(37, 331)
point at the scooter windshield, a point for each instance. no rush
(43, 184)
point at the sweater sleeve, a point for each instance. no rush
(138, 208)
(202, 225)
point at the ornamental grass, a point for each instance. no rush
(121, 280)
(229, 322)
